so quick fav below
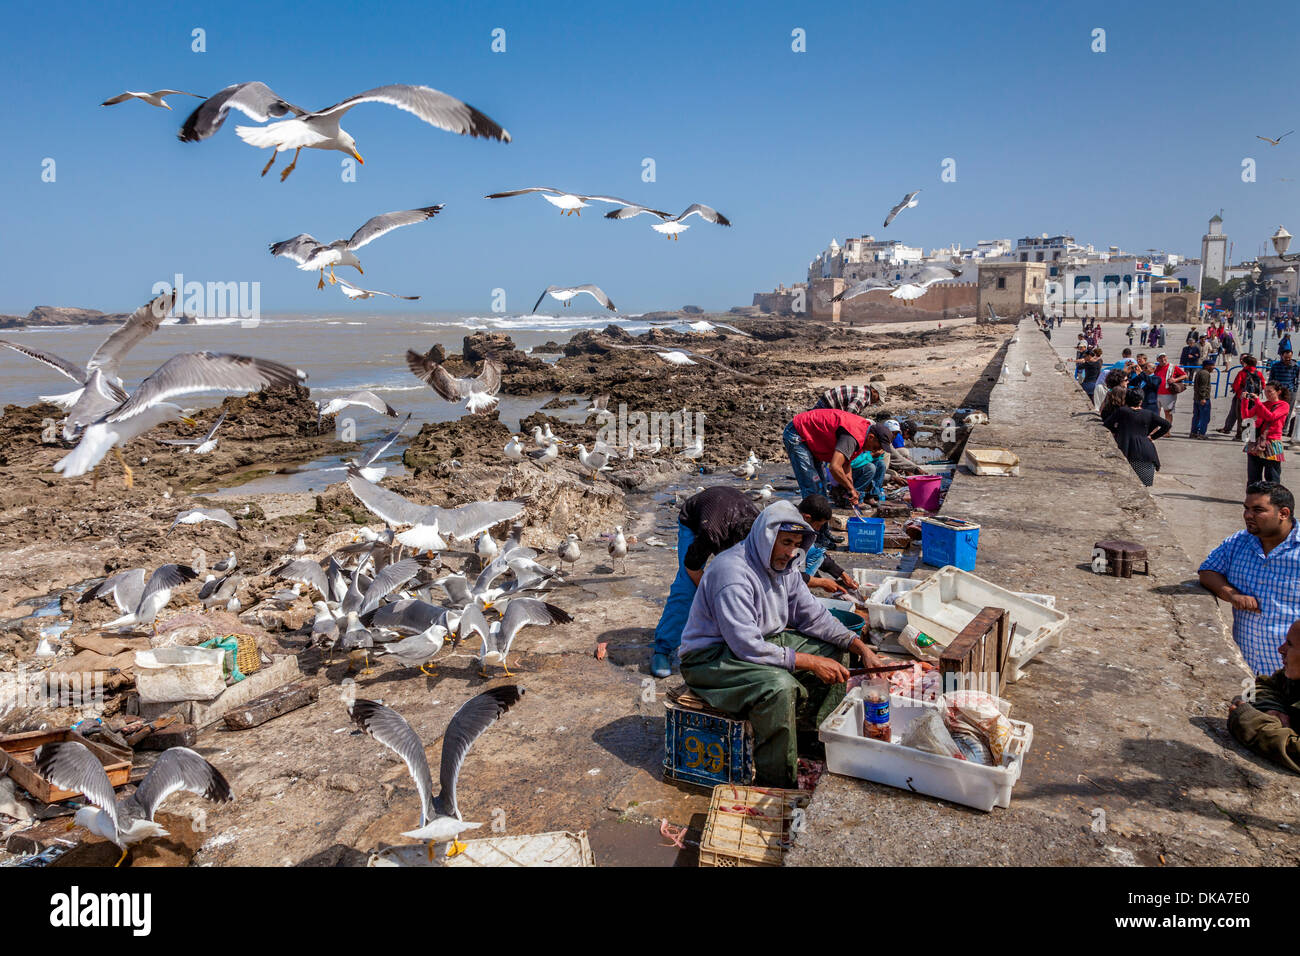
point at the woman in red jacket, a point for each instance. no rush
(1264, 455)
(1248, 379)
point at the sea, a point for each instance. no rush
(340, 352)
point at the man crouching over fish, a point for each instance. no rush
(759, 646)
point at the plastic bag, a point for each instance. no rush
(978, 713)
(919, 645)
(928, 733)
(973, 749)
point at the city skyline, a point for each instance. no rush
(794, 147)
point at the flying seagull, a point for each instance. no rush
(671, 226)
(153, 99)
(565, 293)
(139, 601)
(101, 387)
(911, 287)
(520, 613)
(440, 819)
(198, 446)
(320, 129)
(701, 327)
(71, 766)
(362, 399)
(1274, 142)
(684, 357)
(197, 515)
(311, 254)
(907, 203)
(147, 406)
(568, 203)
(427, 524)
(356, 292)
(479, 394)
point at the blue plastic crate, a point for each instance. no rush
(946, 541)
(706, 748)
(866, 535)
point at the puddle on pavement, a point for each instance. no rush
(634, 843)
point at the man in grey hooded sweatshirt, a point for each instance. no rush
(758, 645)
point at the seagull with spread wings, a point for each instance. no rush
(356, 292)
(320, 129)
(101, 386)
(148, 407)
(428, 526)
(566, 293)
(139, 601)
(1274, 142)
(71, 766)
(520, 613)
(913, 286)
(153, 99)
(198, 446)
(440, 819)
(670, 225)
(311, 254)
(478, 393)
(682, 357)
(567, 203)
(907, 202)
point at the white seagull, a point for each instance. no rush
(197, 515)
(440, 819)
(907, 202)
(356, 292)
(310, 253)
(514, 450)
(593, 462)
(569, 550)
(320, 129)
(520, 613)
(153, 99)
(479, 393)
(139, 601)
(362, 399)
(564, 293)
(71, 766)
(198, 446)
(617, 548)
(685, 357)
(101, 386)
(568, 203)
(671, 226)
(912, 286)
(147, 406)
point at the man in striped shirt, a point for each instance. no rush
(850, 398)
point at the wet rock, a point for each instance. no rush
(500, 348)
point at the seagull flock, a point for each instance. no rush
(390, 593)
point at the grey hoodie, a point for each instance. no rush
(743, 601)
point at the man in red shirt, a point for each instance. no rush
(1169, 375)
(832, 437)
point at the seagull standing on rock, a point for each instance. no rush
(618, 548)
(569, 550)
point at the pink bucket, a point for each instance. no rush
(924, 491)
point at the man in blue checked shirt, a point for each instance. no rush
(1257, 571)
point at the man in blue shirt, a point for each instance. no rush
(1257, 571)
(1286, 371)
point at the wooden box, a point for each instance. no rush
(18, 759)
(977, 657)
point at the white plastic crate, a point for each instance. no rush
(958, 781)
(886, 615)
(871, 578)
(946, 602)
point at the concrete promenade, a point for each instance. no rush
(1131, 763)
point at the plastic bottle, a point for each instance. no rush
(875, 710)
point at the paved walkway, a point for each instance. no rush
(1200, 484)
(1131, 761)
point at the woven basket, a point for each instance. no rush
(248, 658)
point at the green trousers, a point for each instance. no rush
(775, 701)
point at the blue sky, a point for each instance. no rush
(1136, 146)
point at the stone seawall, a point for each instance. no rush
(1131, 762)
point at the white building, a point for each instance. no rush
(1214, 250)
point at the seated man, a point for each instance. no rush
(708, 523)
(1266, 724)
(753, 627)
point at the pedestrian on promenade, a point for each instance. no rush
(1286, 372)
(1130, 332)
(1248, 380)
(1110, 393)
(1172, 381)
(1264, 455)
(1257, 571)
(1201, 390)
(1146, 383)
(1136, 429)
(1091, 365)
